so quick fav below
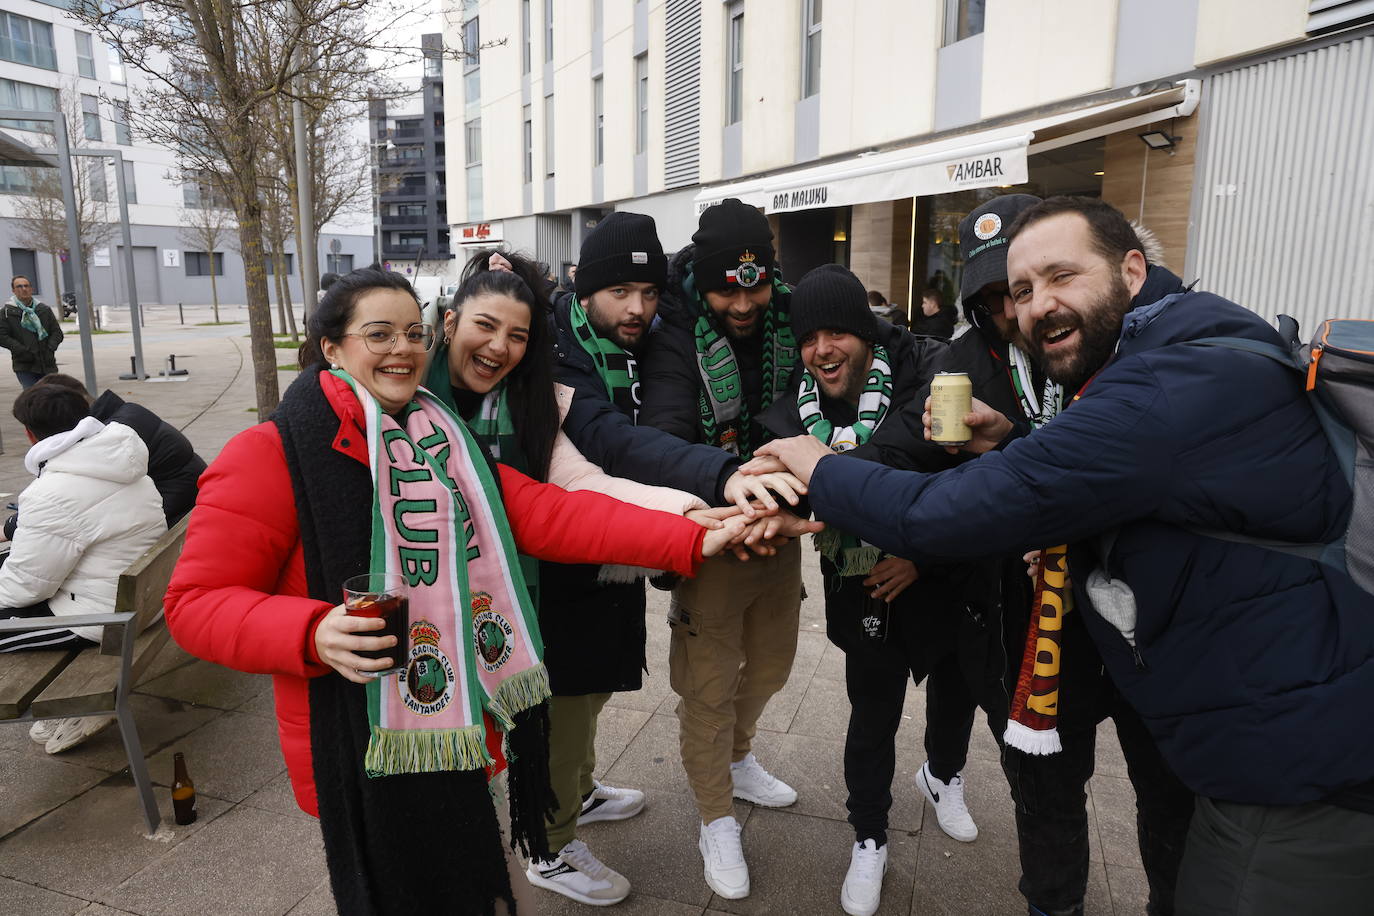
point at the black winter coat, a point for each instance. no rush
(173, 463)
(27, 352)
(594, 632)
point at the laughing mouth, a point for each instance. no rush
(396, 370)
(487, 364)
(1056, 335)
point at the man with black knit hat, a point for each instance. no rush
(856, 390)
(720, 357)
(600, 330)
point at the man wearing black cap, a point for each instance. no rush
(718, 359)
(856, 390)
(599, 629)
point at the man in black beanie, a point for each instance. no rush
(600, 329)
(719, 357)
(855, 389)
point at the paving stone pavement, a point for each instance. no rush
(72, 840)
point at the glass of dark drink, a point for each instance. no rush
(381, 595)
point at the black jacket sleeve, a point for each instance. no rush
(672, 385)
(49, 320)
(608, 438)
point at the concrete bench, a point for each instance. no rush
(99, 680)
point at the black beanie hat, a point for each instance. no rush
(734, 248)
(832, 298)
(623, 248)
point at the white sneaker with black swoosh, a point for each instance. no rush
(950, 810)
(578, 875)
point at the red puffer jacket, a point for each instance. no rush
(238, 595)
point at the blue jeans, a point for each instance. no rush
(27, 379)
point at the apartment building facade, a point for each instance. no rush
(46, 57)
(1238, 131)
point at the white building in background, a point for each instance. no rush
(42, 51)
(866, 129)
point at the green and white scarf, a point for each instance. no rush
(28, 317)
(851, 556)
(474, 643)
(723, 407)
(618, 369)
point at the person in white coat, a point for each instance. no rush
(91, 512)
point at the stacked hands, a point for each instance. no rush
(754, 521)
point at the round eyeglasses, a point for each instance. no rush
(383, 340)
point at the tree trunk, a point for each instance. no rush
(283, 294)
(249, 212)
(214, 289)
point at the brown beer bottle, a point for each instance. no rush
(183, 792)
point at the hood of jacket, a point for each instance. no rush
(112, 452)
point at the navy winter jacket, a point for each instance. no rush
(1254, 670)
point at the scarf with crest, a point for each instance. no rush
(850, 555)
(722, 404)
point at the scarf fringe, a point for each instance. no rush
(529, 793)
(1030, 741)
(517, 693)
(850, 560)
(391, 751)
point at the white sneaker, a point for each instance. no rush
(948, 799)
(755, 784)
(43, 731)
(607, 803)
(577, 874)
(863, 885)
(70, 732)
(726, 872)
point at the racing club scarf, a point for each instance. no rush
(437, 520)
(619, 371)
(723, 408)
(850, 555)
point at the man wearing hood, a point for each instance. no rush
(855, 389)
(1252, 668)
(91, 513)
(30, 332)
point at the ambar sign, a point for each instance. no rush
(801, 198)
(982, 168)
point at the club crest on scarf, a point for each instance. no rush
(426, 687)
(493, 633)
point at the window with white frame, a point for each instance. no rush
(472, 61)
(548, 136)
(548, 30)
(599, 126)
(963, 19)
(116, 64)
(85, 55)
(528, 118)
(27, 97)
(641, 103)
(90, 118)
(734, 61)
(27, 41)
(811, 47)
(525, 38)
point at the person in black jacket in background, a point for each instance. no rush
(856, 390)
(173, 463)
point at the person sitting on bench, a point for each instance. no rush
(91, 513)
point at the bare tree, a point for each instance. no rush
(211, 68)
(206, 226)
(41, 214)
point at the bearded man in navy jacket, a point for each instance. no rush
(1252, 669)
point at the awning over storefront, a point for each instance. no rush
(978, 159)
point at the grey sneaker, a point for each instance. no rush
(607, 803)
(578, 875)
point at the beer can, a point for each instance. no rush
(951, 398)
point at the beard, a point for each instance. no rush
(849, 386)
(1099, 329)
(613, 332)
